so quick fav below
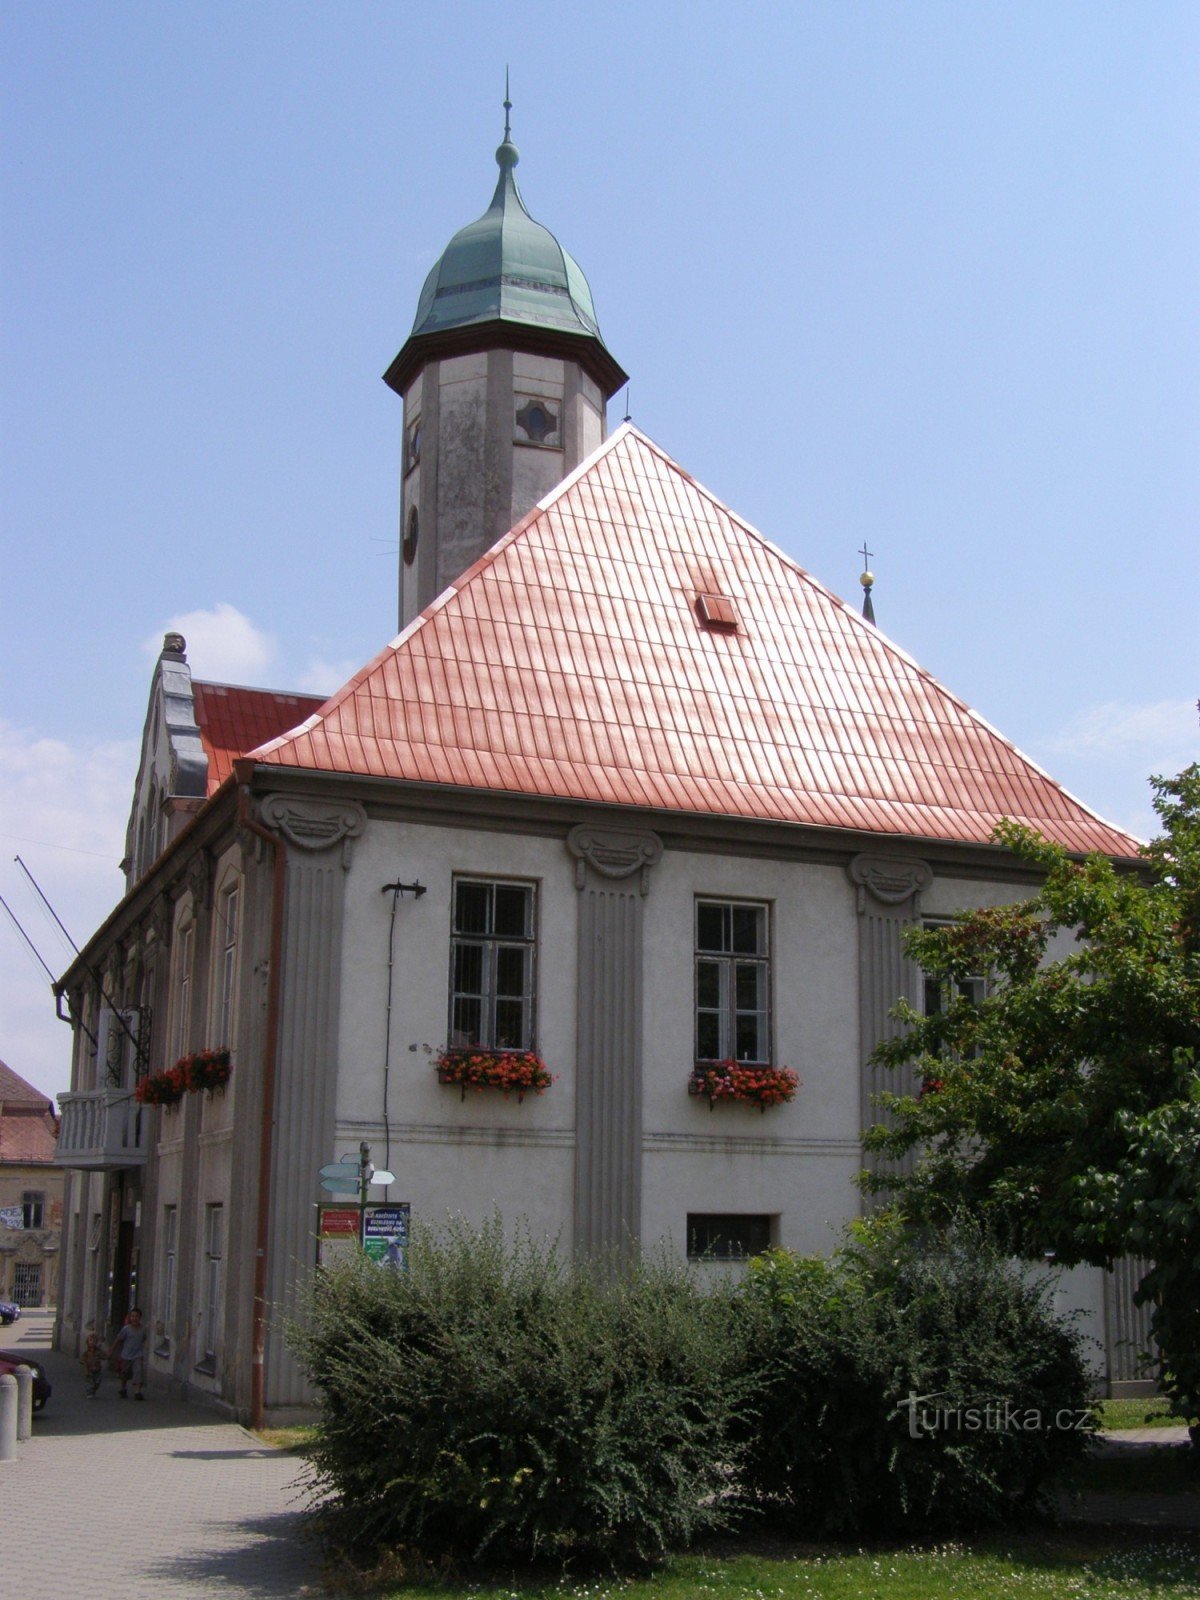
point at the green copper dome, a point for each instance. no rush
(506, 267)
(505, 282)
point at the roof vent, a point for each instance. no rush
(718, 612)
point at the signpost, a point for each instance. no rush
(381, 1231)
(341, 1177)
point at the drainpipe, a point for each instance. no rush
(244, 770)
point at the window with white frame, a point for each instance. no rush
(33, 1208)
(937, 993)
(214, 1242)
(733, 982)
(226, 984)
(183, 988)
(170, 1247)
(491, 964)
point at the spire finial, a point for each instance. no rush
(867, 579)
(507, 155)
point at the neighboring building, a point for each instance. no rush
(31, 1194)
(630, 789)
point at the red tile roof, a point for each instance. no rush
(570, 661)
(28, 1126)
(232, 720)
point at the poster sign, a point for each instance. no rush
(385, 1230)
(338, 1234)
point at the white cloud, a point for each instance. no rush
(1167, 729)
(323, 677)
(63, 810)
(1107, 753)
(222, 644)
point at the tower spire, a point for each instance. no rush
(507, 155)
(867, 580)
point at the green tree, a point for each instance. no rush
(1064, 1106)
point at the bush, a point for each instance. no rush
(495, 1400)
(837, 1348)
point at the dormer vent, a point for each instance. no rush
(718, 612)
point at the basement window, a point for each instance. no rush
(718, 612)
(727, 1236)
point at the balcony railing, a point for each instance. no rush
(101, 1130)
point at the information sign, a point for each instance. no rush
(385, 1234)
(337, 1234)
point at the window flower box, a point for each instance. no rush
(517, 1072)
(164, 1089)
(206, 1069)
(754, 1086)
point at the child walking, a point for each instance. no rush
(130, 1346)
(93, 1364)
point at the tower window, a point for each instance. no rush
(538, 423)
(411, 533)
(412, 445)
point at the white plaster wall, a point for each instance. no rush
(543, 374)
(453, 1155)
(536, 470)
(591, 425)
(797, 1161)
(214, 1187)
(166, 1191)
(461, 479)
(1079, 1291)
(814, 968)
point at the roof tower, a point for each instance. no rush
(505, 380)
(505, 277)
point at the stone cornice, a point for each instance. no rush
(445, 805)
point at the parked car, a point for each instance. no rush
(9, 1311)
(10, 1360)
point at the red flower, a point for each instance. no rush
(517, 1072)
(760, 1086)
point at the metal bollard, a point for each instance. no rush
(8, 1417)
(24, 1377)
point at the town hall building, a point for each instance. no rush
(628, 821)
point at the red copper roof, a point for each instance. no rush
(571, 661)
(233, 720)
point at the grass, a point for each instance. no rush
(1152, 1412)
(1054, 1565)
(293, 1441)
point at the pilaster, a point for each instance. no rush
(321, 837)
(612, 875)
(888, 894)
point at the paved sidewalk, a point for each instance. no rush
(1124, 1508)
(111, 1498)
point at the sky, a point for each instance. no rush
(924, 276)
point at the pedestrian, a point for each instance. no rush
(93, 1363)
(130, 1348)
